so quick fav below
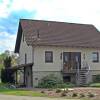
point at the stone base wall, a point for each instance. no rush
(37, 76)
(91, 75)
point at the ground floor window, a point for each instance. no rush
(95, 57)
(48, 56)
(67, 78)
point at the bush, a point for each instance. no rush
(49, 81)
(50, 89)
(52, 81)
(63, 94)
(65, 85)
(91, 95)
(94, 85)
(7, 76)
(74, 95)
(7, 86)
(42, 91)
(82, 95)
(96, 78)
(58, 91)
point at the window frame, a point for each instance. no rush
(51, 59)
(97, 57)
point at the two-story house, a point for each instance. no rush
(70, 51)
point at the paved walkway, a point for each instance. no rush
(10, 97)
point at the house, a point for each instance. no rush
(70, 51)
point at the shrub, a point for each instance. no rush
(58, 91)
(94, 85)
(82, 95)
(52, 81)
(7, 62)
(50, 89)
(96, 78)
(65, 85)
(49, 81)
(7, 76)
(74, 95)
(63, 94)
(7, 86)
(91, 94)
(42, 92)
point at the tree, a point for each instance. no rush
(7, 62)
(7, 74)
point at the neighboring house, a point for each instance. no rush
(68, 50)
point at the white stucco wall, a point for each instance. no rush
(25, 49)
(41, 69)
(39, 58)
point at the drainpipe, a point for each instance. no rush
(35, 41)
(33, 65)
(77, 74)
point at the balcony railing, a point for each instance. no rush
(73, 68)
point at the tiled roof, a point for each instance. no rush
(60, 33)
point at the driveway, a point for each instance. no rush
(10, 97)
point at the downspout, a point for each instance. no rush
(33, 65)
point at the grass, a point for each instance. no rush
(18, 92)
(21, 92)
(94, 85)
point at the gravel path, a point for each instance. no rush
(10, 97)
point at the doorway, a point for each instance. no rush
(71, 60)
(28, 76)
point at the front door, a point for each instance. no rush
(71, 60)
(28, 76)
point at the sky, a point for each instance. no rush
(73, 11)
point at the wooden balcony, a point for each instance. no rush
(70, 67)
(68, 71)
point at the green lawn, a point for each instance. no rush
(21, 92)
(18, 92)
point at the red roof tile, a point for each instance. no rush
(60, 33)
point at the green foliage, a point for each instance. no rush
(7, 76)
(52, 81)
(49, 81)
(94, 85)
(6, 86)
(97, 78)
(42, 91)
(2, 57)
(22, 92)
(7, 54)
(65, 85)
(82, 95)
(63, 94)
(74, 94)
(91, 94)
(58, 90)
(7, 62)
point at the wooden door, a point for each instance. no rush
(71, 60)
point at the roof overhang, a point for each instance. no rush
(18, 40)
(19, 67)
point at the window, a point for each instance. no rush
(48, 56)
(95, 56)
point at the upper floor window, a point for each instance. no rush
(48, 56)
(95, 57)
